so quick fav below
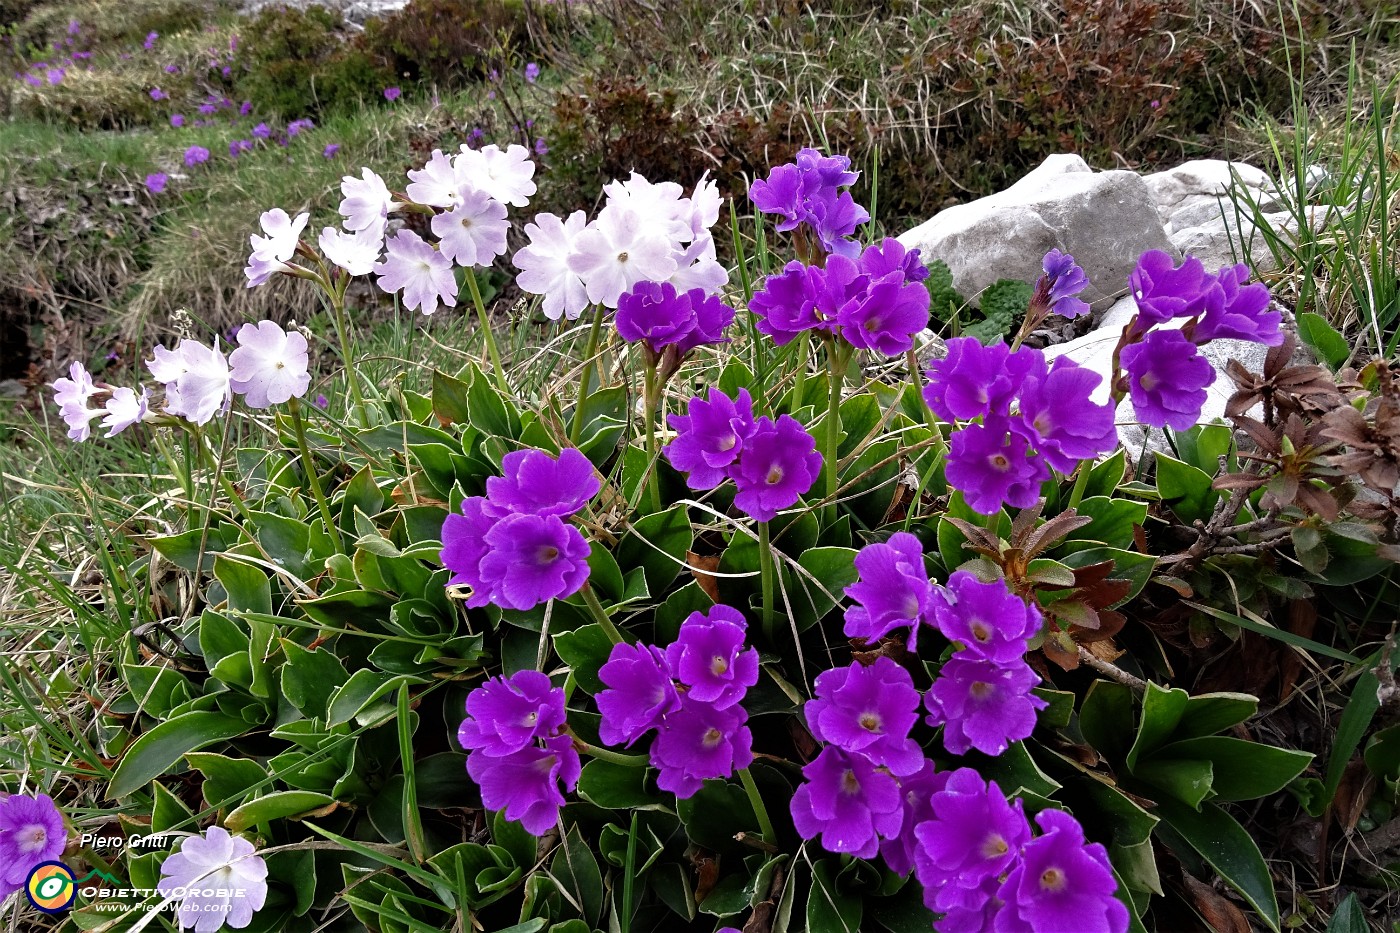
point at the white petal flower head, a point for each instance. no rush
(504, 175)
(357, 252)
(474, 232)
(423, 274)
(262, 268)
(79, 421)
(225, 882)
(167, 366)
(367, 202)
(661, 203)
(283, 234)
(698, 268)
(76, 389)
(620, 249)
(125, 408)
(544, 264)
(202, 389)
(269, 365)
(436, 184)
(705, 203)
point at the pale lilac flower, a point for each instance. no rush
(532, 72)
(505, 175)
(437, 183)
(356, 253)
(544, 265)
(198, 383)
(617, 251)
(124, 408)
(270, 253)
(225, 882)
(367, 202)
(31, 833)
(413, 267)
(269, 365)
(474, 232)
(76, 389)
(392, 94)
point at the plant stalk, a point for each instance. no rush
(492, 350)
(312, 475)
(589, 363)
(760, 810)
(600, 615)
(766, 572)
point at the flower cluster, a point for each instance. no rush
(873, 301)
(31, 833)
(1026, 418)
(980, 867)
(662, 319)
(689, 693)
(218, 879)
(772, 463)
(808, 192)
(1166, 375)
(644, 233)
(517, 753)
(513, 547)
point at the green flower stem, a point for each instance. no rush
(588, 365)
(491, 349)
(342, 333)
(765, 565)
(765, 825)
(940, 446)
(617, 758)
(835, 377)
(600, 615)
(215, 467)
(649, 404)
(1081, 480)
(309, 465)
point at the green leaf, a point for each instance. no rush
(576, 870)
(1187, 489)
(727, 898)
(585, 650)
(1187, 781)
(658, 544)
(1243, 770)
(361, 697)
(1269, 631)
(1106, 717)
(831, 570)
(167, 810)
(247, 586)
(604, 575)
(1113, 521)
(156, 751)
(450, 402)
(1105, 477)
(1209, 713)
(1225, 845)
(830, 910)
(1161, 711)
(617, 787)
(226, 779)
(515, 839)
(182, 549)
(487, 410)
(1383, 753)
(1329, 345)
(274, 806)
(309, 678)
(1349, 917)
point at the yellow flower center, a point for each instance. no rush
(548, 554)
(994, 845)
(870, 722)
(719, 666)
(775, 476)
(981, 631)
(1052, 879)
(712, 737)
(849, 783)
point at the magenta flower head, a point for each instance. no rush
(31, 833)
(779, 464)
(990, 622)
(1055, 404)
(916, 791)
(538, 484)
(983, 705)
(710, 659)
(527, 783)
(196, 155)
(993, 465)
(177, 120)
(464, 545)
(1167, 379)
(787, 304)
(699, 742)
(1062, 281)
(711, 437)
(893, 590)
(1061, 883)
(639, 695)
(506, 714)
(654, 314)
(1163, 290)
(974, 836)
(392, 94)
(262, 131)
(330, 151)
(890, 257)
(155, 182)
(1243, 312)
(712, 316)
(533, 559)
(808, 191)
(974, 380)
(532, 72)
(848, 802)
(868, 710)
(885, 315)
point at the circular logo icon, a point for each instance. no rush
(51, 887)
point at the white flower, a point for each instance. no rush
(423, 274)
(617, 251)
(699, 268)
(505, 176)
(356, 253)
(76, 389)
(544, 264)
(202, 386)
(79, 421)
(705, 203)
(367, 202)
(125, 408)
(437, 183)
(283, 234)
(661, 203)
(269, 365)
(474, 232)
(210, 869)
(167, 366)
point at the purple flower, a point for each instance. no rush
(464, 545)
(239, 146)
(849, 802)
(158, 94)
(155, 182)
(322, 402)
(889, 257)
(1243, 312)
(533, 559)
(1056, 405)
(506, 714)
(1167, 379)
(245, 108)
(262, 131)
(55, 75)
(916, 793)
(31, 833)
(526, 784)
(639, 696)
(974, 835)
(206, 109)
(778, 465)
(330, 150)
(299, 126)
(412, 266)
(869, 711)
(983, 705)
(709, 657)
(655, 314)
(993, 465)
(540, 147)
(73, 27)
(392, 94)
(535, 483)
(177, 120)
(1060, 883)
(711, 437)
(807, 191)
(787, 304)
(886, 315)
(893, 590)
(699, 742)
(990, 622)
(974, 380)
(532, 72)
(150, 42)
(196, 155)
(1063, 280)
(1164, 291)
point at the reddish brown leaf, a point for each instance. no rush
(1060, 648)
(1222, 915)
(707, 582)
